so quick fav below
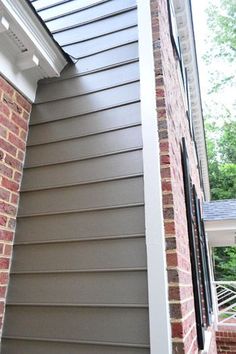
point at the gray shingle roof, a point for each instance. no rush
(220, 210)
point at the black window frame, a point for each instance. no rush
(173, 29)
(208, 266)
(204, 260)
(183, 70)
(193, 247)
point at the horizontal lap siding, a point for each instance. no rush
(100, 44)
(78, 226)
(94, 289)
(92, 14)
(110, 324)
(60, 347)
(83, 172)
(89, 255)
(78, 281)
(84, 104)
(92, 82)
(89, 124)
(84, 147)
(79, 198)
(99, 28)
(46, 9)
(115, 56)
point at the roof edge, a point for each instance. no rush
(187, 41)
(66, 56)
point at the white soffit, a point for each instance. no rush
(27, 51)
(187, 42)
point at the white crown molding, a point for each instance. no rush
(187, 42)
(26, 34)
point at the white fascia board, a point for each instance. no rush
(221, 238)
(27, 34)
(221, 233)
(187, 42)
(159, 317)
(220, 225)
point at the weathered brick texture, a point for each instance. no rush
(173, 125)
(226, 341)
(14, 119)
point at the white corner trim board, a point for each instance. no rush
(159, 317)
(27, 51)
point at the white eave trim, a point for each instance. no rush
(187, 42)
(159, 316)
(220, 225)
(221, 233)
(29, 46)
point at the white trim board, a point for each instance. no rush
(28, 53)
(221, 233)
(159, 317)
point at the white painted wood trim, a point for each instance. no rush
(159, 317)
(33, 31)
(24, 35)
(221, 233)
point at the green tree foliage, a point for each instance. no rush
(221, 43)
(221, 123)
(227, 143)
(221, 147)
(222, 25)
(225, 263)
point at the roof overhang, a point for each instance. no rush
(187, 41)
(221, 233)
(28, 52)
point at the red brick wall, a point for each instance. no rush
(226, 341)
(14, 117)
(173, 125)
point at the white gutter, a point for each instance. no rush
(187, 42)
(159, 317)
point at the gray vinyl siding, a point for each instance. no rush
(79, 275)
(85, 104)
(60, 347)
(81, 16)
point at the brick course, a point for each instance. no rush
(14, 120)
(226, 341)
(173, 125)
